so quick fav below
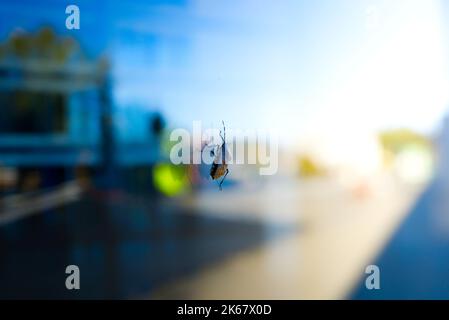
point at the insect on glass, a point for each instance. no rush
(219, 168)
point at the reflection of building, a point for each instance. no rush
(57, 115)
(52, 110)
(50, 113)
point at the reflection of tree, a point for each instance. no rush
(309, 167)
(42, 45)
(395, 141)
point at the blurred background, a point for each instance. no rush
(356, 91)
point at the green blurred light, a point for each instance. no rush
(169, 179)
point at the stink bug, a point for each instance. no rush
(219, 168)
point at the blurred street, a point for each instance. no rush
(124, 247)
(276, 248)
(415, 263)
(339, 233)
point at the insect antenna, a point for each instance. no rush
(224, 130)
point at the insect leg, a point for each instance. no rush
(223, 179)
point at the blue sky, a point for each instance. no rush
(292, 65)
(297, 66)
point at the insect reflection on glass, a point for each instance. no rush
(219, 168)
